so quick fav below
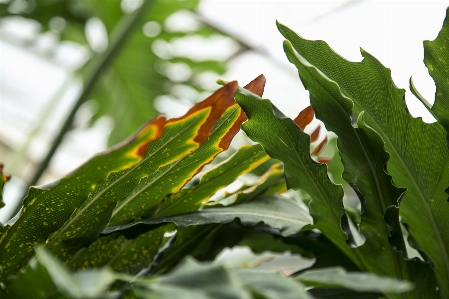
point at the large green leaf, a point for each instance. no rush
(282, 213)
(282, 139)
(47, 208)
(185, 146)
(363, 156)
(436, 58)
(357, 281)
(419, 157)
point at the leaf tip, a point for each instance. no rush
(304, 117)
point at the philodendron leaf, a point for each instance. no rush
(436, 58)
(419, 157)
(282, 139)
(184, 147)
(46, 208)
(357, 281)
(3, 179)
(363, 156)
(282, 213)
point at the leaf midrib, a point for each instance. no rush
(414, 183)
(298, 159)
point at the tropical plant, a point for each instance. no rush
(124, 223)
(136, 64)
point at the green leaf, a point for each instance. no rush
(46, 208)
(213, 281)
(185, 146)
(357, 281)
(282, 139)
(343, 294)
(84, 284)
(37, 281)
(122, 253)
(243, 161)
(416, 149)
(271, 285)
(436, 59)
(278, 212)
(364, 158)
(186, 240)
(269, 183)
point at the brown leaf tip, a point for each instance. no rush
(257, 86)
(315, 134)
(304, 117)
(319, 148)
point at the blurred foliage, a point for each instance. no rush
(148, 65)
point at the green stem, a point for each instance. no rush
(19, 155)
(120, 34)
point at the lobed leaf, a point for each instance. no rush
(419, 157)
(363, 156)
(282, 139)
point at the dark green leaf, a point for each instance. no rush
(282, 139)
(364, 158)
(416, 149)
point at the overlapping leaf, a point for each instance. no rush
(278, 212)
(282, 139)
(185, 146)
(211, 282)
(188, 200)
(147, 244)
(363, 156)
(419, 157)
(47, 208)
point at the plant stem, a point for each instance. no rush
(19, 155)
(97, 66)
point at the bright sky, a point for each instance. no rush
(392, 31)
